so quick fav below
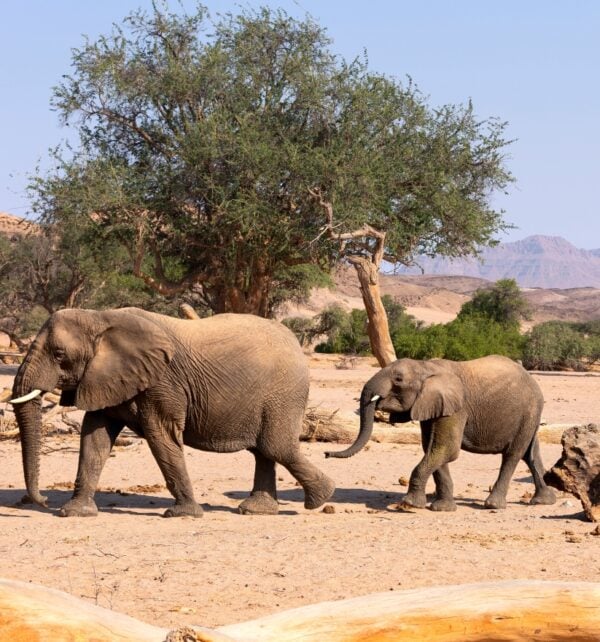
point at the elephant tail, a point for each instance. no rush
(368, 401)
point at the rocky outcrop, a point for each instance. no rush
(578, 469)
(536, 261)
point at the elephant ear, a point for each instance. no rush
(441, 396)
(131, 353)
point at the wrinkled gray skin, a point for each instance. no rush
(226, 383)
(487, 405)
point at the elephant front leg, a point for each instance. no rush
(444, 490)
(169, 455)
(441, 439)
(263, 498)
(98, 435)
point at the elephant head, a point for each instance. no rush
(97, 360)
(408, 390)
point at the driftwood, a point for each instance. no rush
(322, 424)
(508, 611)
(326, 424)
(187, 312)
(53, 415)
(578, 469)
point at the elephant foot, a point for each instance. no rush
(495, 502)
(190, 509)
(413, 500)
(77, 508)
(543, 496)
(259, 503)
(447, 505)
(317, 495)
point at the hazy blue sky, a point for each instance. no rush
(533, 63)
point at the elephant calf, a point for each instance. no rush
(487, 405)
(226, 383)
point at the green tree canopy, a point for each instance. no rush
(502, 302)
(243, 158)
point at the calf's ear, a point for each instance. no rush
(440, 396)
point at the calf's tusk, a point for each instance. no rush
(30, 395)
(375, 398)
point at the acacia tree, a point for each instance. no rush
(502, 302)
(243, 158)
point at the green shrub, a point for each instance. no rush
(302, 327)
(467, 337)
(555, 344)
(346, 331)
(502, 302)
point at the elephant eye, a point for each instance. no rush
(59, 354)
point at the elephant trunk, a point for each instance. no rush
(368, 401)
(29, 419)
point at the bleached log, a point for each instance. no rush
(328, 425)
(512, 611)
(31, 612)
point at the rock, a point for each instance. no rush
(578, 469)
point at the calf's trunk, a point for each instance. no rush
(368, 400)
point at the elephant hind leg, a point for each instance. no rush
(533, 459)
(497, 497)
(263, 498)
(318, 487)
(280, 441)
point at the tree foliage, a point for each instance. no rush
(203, 144)
(503, 302)
(50, 268)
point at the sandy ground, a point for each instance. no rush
(226, 568)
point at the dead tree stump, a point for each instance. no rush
(578, 470)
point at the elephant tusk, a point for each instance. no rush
(375, 398)
(30, 395)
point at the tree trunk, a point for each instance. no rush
(367, 266)
(377, 326)
(578, 469)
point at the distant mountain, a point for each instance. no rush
(536, 261)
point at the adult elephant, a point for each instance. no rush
(487, 405)
(226, 383)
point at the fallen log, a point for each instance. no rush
(578, 469)
(329, 425)
(511, 611)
